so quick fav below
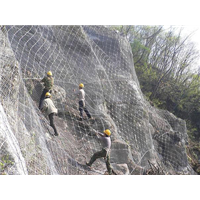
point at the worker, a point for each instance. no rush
(48, 85)
(105, 152)
(49, 107)
(81, 96)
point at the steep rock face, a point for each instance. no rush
(102, 60)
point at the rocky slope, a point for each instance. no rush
(144, 138)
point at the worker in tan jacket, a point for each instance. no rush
(50, 109)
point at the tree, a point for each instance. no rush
(164, 61)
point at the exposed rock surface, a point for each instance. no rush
(102, 60)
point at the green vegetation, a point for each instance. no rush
(5, 161)
(165, 60)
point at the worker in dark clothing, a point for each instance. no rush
(48, 85)
(49, 107)
(105, 152)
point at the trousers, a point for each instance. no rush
(42, 97)
(52, 123)
(81, 108)
(102, 154)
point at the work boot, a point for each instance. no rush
(80, 119)
(88, 164)
(56, 133)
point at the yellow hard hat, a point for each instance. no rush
(107, 132)
(81, 85)
(47, 94)
(49, 73)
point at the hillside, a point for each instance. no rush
(145, 140)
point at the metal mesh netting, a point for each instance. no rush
(101, 59)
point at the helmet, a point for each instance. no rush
(49, 73)
(47, 94)
(81, 85)
(107, 132)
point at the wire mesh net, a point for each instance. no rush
(101, 59)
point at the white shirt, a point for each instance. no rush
(81, 95)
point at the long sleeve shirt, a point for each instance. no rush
(81, 95)
(105, 141)
(49, 106)
(48, 82)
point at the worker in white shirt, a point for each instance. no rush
(82, 107)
